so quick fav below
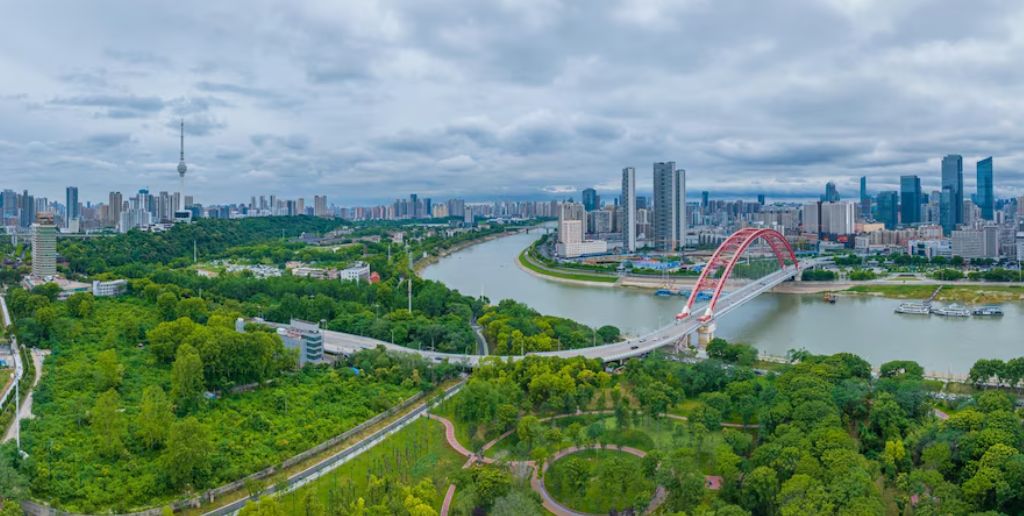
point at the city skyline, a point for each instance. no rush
(391, 93)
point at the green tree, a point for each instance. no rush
(187, 385)
(194, 308)
(108, 424)
(155, 417)
(187, 457)
(760, 488)
(515, 503)
(109, 371)
(80, 304)
(167, 304)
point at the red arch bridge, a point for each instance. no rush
(719, 268)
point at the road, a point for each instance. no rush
(345, 343)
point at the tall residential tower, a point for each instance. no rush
(669, 206)
(628, 207)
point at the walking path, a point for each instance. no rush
(26, 407)
(536, 482)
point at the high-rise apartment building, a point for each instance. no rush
(986, 195)
(910, 199)
(951, 205)
(115, 202)
(669, 206)
(320, 205)
(571, 211)
(44, 246)
(627, 207)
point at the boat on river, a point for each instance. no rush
(664, 292)
(953, 310)
(913, 309)
(988, 311)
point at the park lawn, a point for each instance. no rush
(971, 294)
(685, 407)
(597, 496)
(575, 276)
(418, 451)
(663, 433)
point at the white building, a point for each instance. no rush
(357, 272)
(969, 243)
(44, 246)
(109, 288)
(930, 248)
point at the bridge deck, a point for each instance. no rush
(337, 342)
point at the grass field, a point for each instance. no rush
(416, 452)
(970, 294)
(575, 276)
(596, 495)
(648, 435)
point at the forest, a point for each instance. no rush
(143, 400)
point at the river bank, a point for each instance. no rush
(973, 292)
(432, 259)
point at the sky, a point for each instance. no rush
(368, 100)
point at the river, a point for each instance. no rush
(774, 323)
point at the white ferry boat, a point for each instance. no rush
(953, 310)
(913, 308)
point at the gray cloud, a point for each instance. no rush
(364, 101)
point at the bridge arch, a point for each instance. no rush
(725, 259)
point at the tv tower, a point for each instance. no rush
(182, 168)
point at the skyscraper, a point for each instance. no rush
(71, 205)
(888, 212)
(865, 199)
(910, 199)
(986, 196)
(628, 207)
(28, 209)
(669, 206)
(590, 199)
(831, 192)
(760, 199)
(951, 205)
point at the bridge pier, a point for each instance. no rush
(705, 333)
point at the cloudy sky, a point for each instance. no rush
(365, 100)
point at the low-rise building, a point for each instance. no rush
(109, 288)
(359, 271)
